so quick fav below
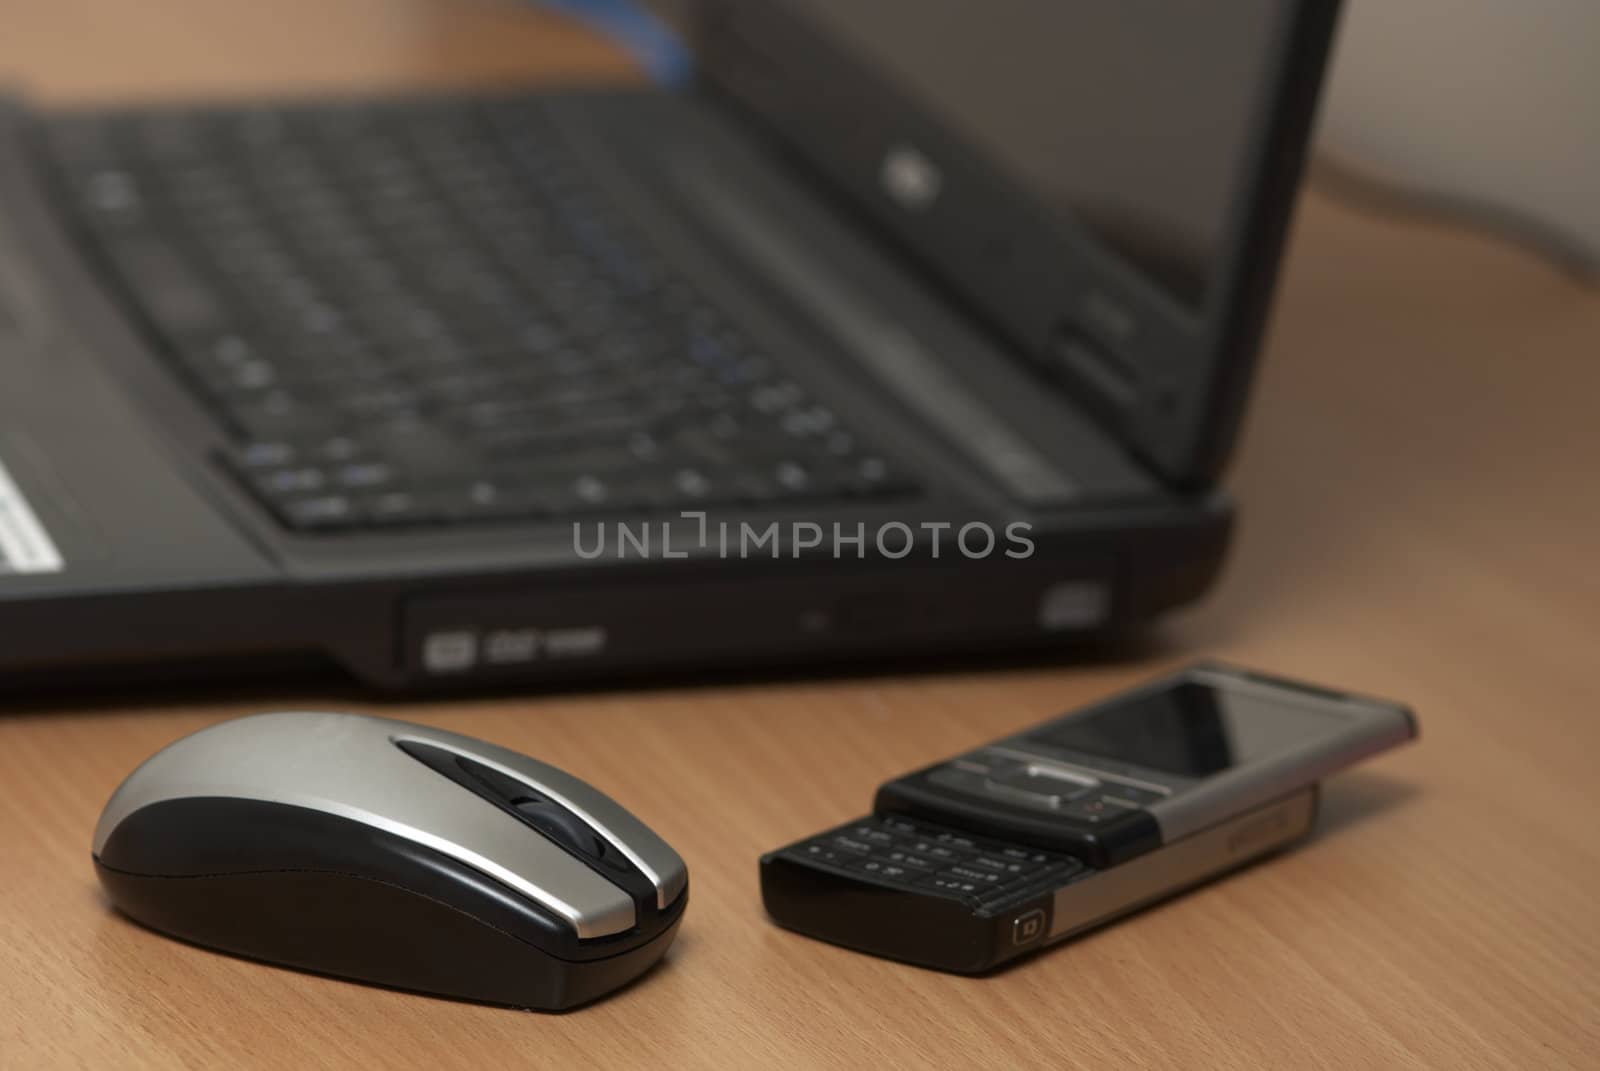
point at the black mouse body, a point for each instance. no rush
(391, 853)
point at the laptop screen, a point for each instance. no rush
(1103, 184)
(1125, 118)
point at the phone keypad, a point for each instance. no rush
(936, 861)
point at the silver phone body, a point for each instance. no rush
(1298, 734)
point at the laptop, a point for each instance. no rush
(906, 329)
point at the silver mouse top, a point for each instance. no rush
(351, 766)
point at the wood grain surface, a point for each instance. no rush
(1421, 519)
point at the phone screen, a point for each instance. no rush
(1191, 729)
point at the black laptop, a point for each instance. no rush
(911, 327)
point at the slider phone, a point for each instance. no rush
(1036, 837)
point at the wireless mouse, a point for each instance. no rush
(394, 854)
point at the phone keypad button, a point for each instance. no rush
(983, 878)
(818, 853)
(1056, 873)
(946, 883)
(874, 835)
(1011, 868)
(1049, 787)
(851, 844)
(939, 862)
(882, 869)
(1024, 855)
(911, 860)
(932, 850)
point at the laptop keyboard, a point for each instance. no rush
(427, 313)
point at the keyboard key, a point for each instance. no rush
(365, 475)
(327, 511)
(399, 508)
(295, 481)
(168, 286)
(260, 455)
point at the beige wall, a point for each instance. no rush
(1490, 100)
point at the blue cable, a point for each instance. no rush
(633, 27)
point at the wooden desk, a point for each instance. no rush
(1422, 520)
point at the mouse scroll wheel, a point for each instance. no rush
(560, 825)
(545, 815)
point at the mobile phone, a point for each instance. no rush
(1036, 837)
